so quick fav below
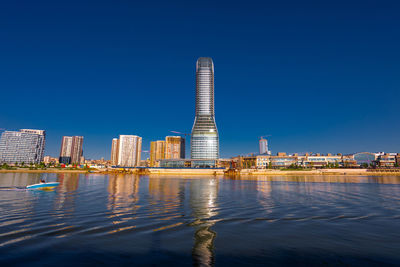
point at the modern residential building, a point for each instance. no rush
(386, 160)
(174, 147)
(204, 139)
(263, 143)
(114, 151)
(65, 151)
(25, 145)
(129, 150)
(157, 152)
(71, 149)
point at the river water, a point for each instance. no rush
(130, 220)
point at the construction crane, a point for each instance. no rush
(268, 135)
(185, 134)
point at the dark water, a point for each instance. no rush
(129, 220)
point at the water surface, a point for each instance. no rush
(130, 220)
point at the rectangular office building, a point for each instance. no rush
(25, 145)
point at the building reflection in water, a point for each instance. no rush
(123, 196)
(203, 202)
(64, 204)
(167, 196)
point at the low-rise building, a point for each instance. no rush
(387, 160)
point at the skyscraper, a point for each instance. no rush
(174, 147)
(71, 149)
(24, 146)
(129, 150)
(114, 151)
(204, 140)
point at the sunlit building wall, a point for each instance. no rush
(157, 152)
(77, 149)
(71, 149)
(25, 145)
(129, 150)
(114, 151)
(174, 147)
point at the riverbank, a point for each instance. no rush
(253, 172)
(218, 172)
(24, 170)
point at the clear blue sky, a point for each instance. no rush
(320, 76)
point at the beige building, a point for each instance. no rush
(157, 152)
(71, 149)
(174, 147)
(129, 150)
(114, 151)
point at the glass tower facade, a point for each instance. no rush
(204, 140)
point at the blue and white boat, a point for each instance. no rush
(43, 185)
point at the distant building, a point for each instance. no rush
(114, 151)
(24, 146)
(65, 151)
(263, 143)
(129, 150)
(48, 160)
(386, 160)
(157, 152)
(174, 147)
(77, 149)
(71, 150)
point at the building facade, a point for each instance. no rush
(204, 139)
(157, 152)
(129, 150)
(26, 146)
(263, 144)
(71, 150)
(114, 151)
(65, 151)
(174, 147)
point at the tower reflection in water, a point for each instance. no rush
(203, 202)
(64, 204)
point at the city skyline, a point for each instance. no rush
(327, 87)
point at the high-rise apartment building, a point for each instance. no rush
(71, 149)
(114, 151)
(129, 150)
(204, 140)
(65, 151)
(263, 143)
(26, 146)
(157, 152)
(174, 147)
(77, 149)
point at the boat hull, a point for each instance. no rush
(43, 185)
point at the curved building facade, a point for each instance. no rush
(204, 139)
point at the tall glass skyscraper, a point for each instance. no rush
(204, 140)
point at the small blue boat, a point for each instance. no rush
(43, 185)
